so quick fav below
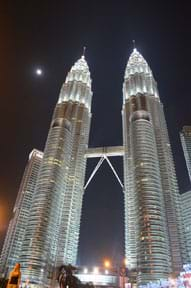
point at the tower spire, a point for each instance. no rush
(84, 51)
(138, 76)
(134, 48)
(77, 79)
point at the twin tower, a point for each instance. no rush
(153, 243)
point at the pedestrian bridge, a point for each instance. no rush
(110, 151)
(104, 153)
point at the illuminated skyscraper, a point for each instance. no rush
(186, 212)
(185, 136)
(53, 229)
(153, 242)
(15, 234)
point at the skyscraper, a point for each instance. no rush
(153, 243)
(15, 234)
(53, 229)
(186, 212)
(185, 136)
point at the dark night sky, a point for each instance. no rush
(51, 34)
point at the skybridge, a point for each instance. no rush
(104, 153)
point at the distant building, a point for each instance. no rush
(15, 234)
(186, 212)
(185, 136)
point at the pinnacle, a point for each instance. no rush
(136, 58)
(81, 65)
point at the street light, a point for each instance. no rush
(96, 270)
(85, 270)
(125, 262)
(107, 264)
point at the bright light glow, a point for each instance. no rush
(96, 270)
(107, 263)
(106, 272)
(38, 71)
(85, 270)
(125, 260)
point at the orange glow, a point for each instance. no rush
(125, 262)
(3, 216)
(107, 264)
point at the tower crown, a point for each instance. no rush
(138, 77)
(80, 72)
(77, 86)
(137, 64)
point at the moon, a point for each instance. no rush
(38, 72)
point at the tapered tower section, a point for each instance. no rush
(185, 136)
(152, 215)
(53, 229)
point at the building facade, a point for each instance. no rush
(153, 241)
(16, 230)
(53, 229)
(185, 136)
(186, 212)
